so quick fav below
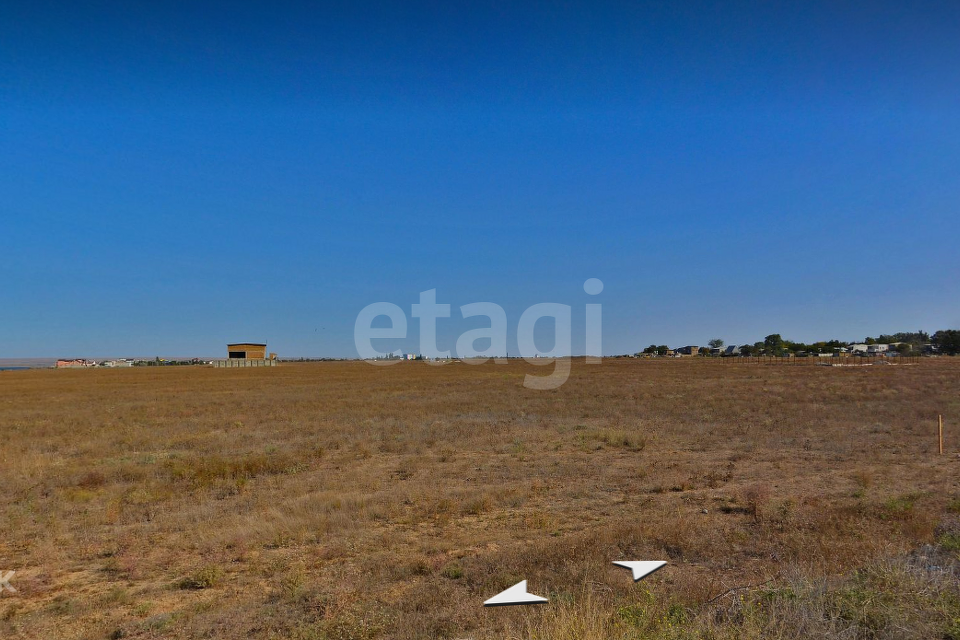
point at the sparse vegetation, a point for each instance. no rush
(341, 500)
(205, 578)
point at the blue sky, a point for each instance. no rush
(176, 176)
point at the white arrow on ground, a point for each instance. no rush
(517, 594)
(641, 568)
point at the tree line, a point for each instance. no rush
(945, 341)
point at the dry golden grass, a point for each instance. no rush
(343, 500)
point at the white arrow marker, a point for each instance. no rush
(517, 594)
(5, 581)
(642, 568)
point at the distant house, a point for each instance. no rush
(76, 363)
(122, 362)
(868, 349)
(731, 350)
(688, 351)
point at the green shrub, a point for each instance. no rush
(452, 571)
(203, 579)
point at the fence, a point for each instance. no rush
(244, 362)
(827, 361)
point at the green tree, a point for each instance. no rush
(773, 344)
(918, 337)
(716, 343)
(796, 346)
(947, 341)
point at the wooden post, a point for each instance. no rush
(941, 435)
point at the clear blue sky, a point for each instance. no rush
(174, 176)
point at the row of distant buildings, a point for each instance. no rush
(691, 350)
(81, 363)
(857, 349)
(399, 355)
(238, 354)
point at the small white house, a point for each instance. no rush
(872, 349)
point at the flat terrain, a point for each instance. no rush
(344, 500)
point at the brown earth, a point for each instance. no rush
(343, 500)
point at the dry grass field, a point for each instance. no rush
(347, 501)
